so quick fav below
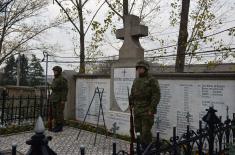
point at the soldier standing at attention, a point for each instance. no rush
(145, 95)
(58, 98)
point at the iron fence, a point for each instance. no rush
(22, 110)
(214, 139)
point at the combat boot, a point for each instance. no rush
(144, 146)
(58, 128)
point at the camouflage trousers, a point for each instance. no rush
(143, 125)
(58, 113)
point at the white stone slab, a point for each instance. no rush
(123, 80)
(178, 98)
(85, 89)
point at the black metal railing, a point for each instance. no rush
(22, 110)
(216, 138)
(213, 139)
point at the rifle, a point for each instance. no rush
(132, 131)
(49, 112)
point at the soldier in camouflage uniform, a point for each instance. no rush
(58, 98)
(145, 95)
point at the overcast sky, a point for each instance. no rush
(161, 29)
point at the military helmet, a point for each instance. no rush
(143, 63)
(57, 68)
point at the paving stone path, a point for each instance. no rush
(65, 143)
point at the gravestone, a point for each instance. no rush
(123, 72)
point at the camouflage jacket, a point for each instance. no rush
(145, 95)
(59, 88)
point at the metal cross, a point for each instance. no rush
(114, 128)
(227, 109)
(158, 121)
(188, 117)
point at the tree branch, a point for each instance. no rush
(70, 19)
(73, 2)
(110, 6)
(142, 8)
(94, 17)
(84, 3)
(23, 41)
(132, 5)
(150, 11)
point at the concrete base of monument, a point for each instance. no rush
(122, 121)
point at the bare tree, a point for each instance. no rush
(17, 27)
(147, 10)
(204, 18)
(74, 13)
(143, 8)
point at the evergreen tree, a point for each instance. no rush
(9, 76)
(24, 70)
(36, 72)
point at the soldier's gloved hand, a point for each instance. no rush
(150, 113)
(62, 104)
(131, 101)
(131, 104)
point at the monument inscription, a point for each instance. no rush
(123, 79)
(85, 91)
(182, 103)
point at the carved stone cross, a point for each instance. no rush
(132, 31)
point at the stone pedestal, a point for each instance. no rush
(70, 106)
(123, 72)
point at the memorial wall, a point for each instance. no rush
(88, 89)
(183, 101)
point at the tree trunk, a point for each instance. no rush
(125, 10)
(82, 40)
(183, 36)
(2, 38)
(125, 7)
(3, 31)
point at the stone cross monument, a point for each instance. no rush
(131, 48)
(123, 72)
